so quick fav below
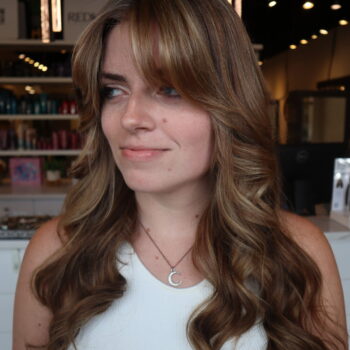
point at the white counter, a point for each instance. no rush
(332, 228)
(13, 243)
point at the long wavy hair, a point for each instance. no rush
(206, 55)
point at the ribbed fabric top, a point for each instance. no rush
(152, 315)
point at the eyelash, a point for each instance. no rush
(106, 92)
(162, 91)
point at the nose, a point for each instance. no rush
(137, 115)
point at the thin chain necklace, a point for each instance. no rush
(172, 267)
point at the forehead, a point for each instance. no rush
(119, 56)
(118, 50)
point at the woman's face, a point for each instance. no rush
(160, 141)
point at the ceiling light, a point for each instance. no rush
(314, 36)
(323, 31)
(28, 88)
(22, 56)
(260, 63)
(292, 47)
(343, 22)
(303, 41)
(308, 5)
(27, 59)
(335, 5)
(272, 3)
(342, 87)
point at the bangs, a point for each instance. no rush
(167, 48)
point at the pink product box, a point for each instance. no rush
(26, 171)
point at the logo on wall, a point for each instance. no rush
(2, 16)
(80, 17)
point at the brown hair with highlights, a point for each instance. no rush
(241, 247)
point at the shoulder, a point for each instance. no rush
(306, 234)
(314, 242)
(46, 241)
(47, 235)
(31, 318)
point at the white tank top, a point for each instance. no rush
(152, 315)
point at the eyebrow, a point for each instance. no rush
(113, 76)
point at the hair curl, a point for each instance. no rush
(205, 53)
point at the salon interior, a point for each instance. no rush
(303, 49)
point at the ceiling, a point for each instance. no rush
(287, 22)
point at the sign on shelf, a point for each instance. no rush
(77, 15)
(8, 19)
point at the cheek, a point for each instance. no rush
(200, 140)
(107, 125)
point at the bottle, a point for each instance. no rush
(43, 103)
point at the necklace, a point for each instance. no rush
(173, 271)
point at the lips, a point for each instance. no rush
(141, 152)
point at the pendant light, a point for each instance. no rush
(308, 5)
(335, 5)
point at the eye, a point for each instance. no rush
(169, 91)
(109, 92)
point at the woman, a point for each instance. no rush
(178, 180)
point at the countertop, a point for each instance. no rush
(332, 229)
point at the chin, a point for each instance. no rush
(138, 184)
(151, 184)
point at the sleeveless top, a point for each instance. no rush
(153, 315)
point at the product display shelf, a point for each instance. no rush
(23, 153)
(33, 192)
(35, 80)
(36, 198)
(33, 43)
(38, 117)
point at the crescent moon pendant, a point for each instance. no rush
(170, 278)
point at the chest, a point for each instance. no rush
(153, 315)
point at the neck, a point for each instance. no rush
(172, 217)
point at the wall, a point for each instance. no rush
(327, 57)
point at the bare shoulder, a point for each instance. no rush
(45, 242)
(31, 318)
(314, 242)
(306, 234)
(46, 236)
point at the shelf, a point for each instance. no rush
(33, 192)
(33, 43)
(33, 80)
(39, 116)
(24, 153)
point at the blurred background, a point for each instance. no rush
(303, 48)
